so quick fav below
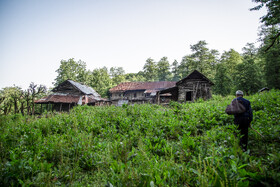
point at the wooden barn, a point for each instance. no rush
(138, 92)
(190, 88)
(68, 94)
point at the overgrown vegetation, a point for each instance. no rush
(192, 144)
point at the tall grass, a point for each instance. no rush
(192, 144)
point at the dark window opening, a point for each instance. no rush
(135, 95)
(188, 96)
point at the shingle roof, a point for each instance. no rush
(129, 86)
(55, 98)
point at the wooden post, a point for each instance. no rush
(41, 108)
(60, 107)
(200, 90)
(69, 107)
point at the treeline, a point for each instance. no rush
(249, 71)
(16, 100)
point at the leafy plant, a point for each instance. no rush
(191, 144)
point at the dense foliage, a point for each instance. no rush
(271, 19)
(16, 100)
(192, 144)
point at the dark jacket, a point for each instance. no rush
(248, 113)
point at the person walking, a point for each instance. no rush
(243, 120)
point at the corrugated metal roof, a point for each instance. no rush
(62, 94)
(127, 86)
(150, 91)
(85, 89)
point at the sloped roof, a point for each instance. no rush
(55, 98)
(130, 86)
(67, 98)
(195, 75)
(80, 87)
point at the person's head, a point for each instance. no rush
(239, 93)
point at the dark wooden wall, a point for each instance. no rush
(195, 89)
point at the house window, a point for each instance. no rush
(135, 94)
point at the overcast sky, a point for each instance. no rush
(35, 35)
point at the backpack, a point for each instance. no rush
(235, 107)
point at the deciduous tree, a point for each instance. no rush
(71, 69)
(101, 81)
(150, 70)
(272, 18)
(186, 66)
(175, 71)
(117, 75)
(271, 57)
(248, 77)
(163, 69)
(222, 80)
(36, 92)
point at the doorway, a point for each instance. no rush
(188, 96)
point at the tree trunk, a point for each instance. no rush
(22, 108)
(9, 109)
(15, 105)
(28, 106)
(33, 106)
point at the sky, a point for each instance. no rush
(35, 35)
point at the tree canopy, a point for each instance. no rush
(271, 19)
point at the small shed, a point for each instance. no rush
(68, 94)
(194, 86)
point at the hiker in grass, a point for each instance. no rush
(243, 120)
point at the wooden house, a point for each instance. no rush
(138, 92)
(190, 88)
(68, 94)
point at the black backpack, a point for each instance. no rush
(235, 107)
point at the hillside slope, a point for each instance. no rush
(191, 144)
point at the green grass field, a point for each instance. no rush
(192, 144)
